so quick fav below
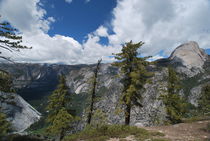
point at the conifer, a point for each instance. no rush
(5, 82)
(204, 101)
(4, 125)
(134, 76)
(59, 118)
(94, 82)
(175, 104)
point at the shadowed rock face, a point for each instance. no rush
(191, 57)
(19, 112)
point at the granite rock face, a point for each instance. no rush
(109, 89)
(20, 113)
(195, 95)
(190, 57)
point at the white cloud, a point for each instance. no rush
(102, 31)
(28, 17)
(161, 24)
(68, 1)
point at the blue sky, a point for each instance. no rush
(79, 17)
(83, 31)
(208, 51)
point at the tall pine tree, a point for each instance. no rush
(59, 118)
(93, 91)
(175, 104)
(134, 73)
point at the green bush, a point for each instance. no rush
(204, 101)
(24, 138)
(108, 131)
(196, 118)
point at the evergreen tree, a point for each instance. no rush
(5, 82)
(9, 40)
(59, 118)
(134, 73)
(175, 104)
(204, 101)
(4, 125)
(93, 91)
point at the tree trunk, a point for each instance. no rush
(61, 135)
(127, 114)
(93, 94)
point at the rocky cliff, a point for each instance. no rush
(190, 58)
(20, 114)
(191, 62)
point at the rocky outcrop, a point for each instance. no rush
(109, 91)
(189, 58)
(18, 111)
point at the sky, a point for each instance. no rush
(83, 31)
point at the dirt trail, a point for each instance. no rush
(184, 131)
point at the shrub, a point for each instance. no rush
(108, 131)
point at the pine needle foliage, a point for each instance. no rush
(204, 101)
(99, 118)
(59, 118)
(134, 75)
(9, 40)
(5, 82)
(174, 103)
(4, 125)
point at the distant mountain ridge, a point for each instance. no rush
(35, 81)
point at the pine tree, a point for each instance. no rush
(175, 104)
(93, 91)
(4, 125)
(5, 82)
(59, 118)
(204, 101)
(134, 73)
(9, 40)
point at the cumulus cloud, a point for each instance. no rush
(163, 25)
(102, 31)
(68, 1)
(25, 15)
(29, 18)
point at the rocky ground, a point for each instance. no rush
(184, 131)
(180, 132)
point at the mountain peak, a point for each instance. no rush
(189, 55)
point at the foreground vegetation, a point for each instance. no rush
(105, 132)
